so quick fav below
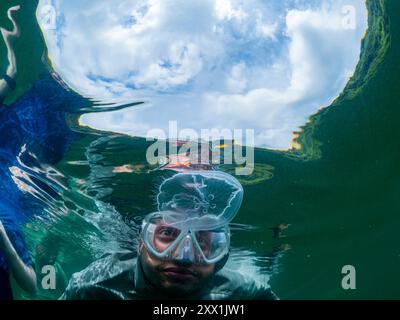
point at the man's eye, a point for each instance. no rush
(167, 233)
(204, 244)
(204, 239)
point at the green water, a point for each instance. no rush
(340, 193)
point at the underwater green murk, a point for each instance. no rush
(337, 195)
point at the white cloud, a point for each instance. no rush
(237, 81)
(256, 64)
(182, 63)
(225, 10)
(266, 30)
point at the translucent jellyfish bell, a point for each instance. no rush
(201, 200)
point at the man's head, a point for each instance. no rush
(179, 259)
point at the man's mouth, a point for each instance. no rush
(179, 273)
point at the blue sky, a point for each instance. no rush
(265, 65)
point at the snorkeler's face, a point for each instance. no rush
(173, 277)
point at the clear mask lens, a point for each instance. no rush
(167, 241)
(213, 243)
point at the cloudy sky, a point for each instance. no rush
(238, 64)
